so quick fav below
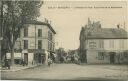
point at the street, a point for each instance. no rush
(71, 72)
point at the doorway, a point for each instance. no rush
(112, 57)
(26, 58)
(39, 58)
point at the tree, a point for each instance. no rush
(17, 13)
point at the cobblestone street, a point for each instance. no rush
(71, 72)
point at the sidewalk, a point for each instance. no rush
(17, 68)
(122, 67)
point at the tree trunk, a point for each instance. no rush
(12, 56)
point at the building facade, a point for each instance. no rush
(104, 45)
(35, 44)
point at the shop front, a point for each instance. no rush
(17, 58)
(40, 56)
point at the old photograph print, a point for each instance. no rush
(64, 40)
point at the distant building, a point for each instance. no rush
(104, 45)
(35, 44)
(60, 53)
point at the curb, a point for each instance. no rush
(18, 69)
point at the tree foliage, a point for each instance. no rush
(14, 15)
(19, 12)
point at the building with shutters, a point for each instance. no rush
(104, 45)
(35, 44)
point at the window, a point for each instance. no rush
(48, 45)
(101, 55)
(49, 35)
(39, 44)
(19, 34)
(39, 32)
(121, 44)
(101, 43)
(53, 47)
(92, 45)
(125, 54)
(25, 32)
(25, 44)
(111, 43)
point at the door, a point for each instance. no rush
(26, 58)
(39, 58)
(112, 57)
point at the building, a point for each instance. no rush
(35, 44)
(104, 45)
(60, 53)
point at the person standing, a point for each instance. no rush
(7, 64)
(49, 62)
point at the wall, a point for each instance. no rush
(118, 45)
(21, 56)
(92, 57)
(30, 58)
(31, 40)
(31, 37)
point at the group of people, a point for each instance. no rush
(7, 63)
(70, 59)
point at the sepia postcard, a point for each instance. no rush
(67, 40)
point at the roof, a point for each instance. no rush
(41, 23)
(107, 33)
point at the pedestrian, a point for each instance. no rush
(3, 64)
(23, 63)
(7, 64)
(49, 62)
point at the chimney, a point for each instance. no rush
(118, 26)
(89, 22)
(45, 20)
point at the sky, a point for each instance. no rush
(67, 18)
